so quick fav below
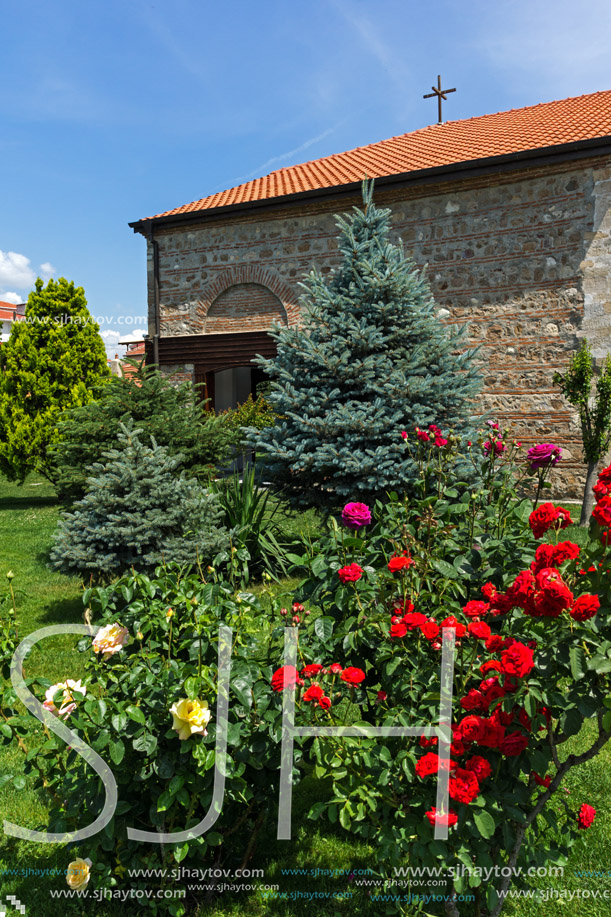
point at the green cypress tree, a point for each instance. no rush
(138, 513)
(53, 360)
(370, 360)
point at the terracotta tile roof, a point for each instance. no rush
(7, 310)
(548, 124)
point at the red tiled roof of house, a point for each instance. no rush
(547, 124)
(8, 309)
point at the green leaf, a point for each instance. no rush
(578, 662)
(485, 823)
(323, 628)
(181, 852)
(446, 569)
(145, 743)
(136, 714)
(117, 751)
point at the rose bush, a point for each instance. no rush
(532, 663)
(147, 705)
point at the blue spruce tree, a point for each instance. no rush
(370, 360)
(138, 512)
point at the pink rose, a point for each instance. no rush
(356, 515)
(543, 455)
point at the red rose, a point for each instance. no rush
(414, 619)
(398, 629)
(548, 516)
(352, 676)
(314, 692)
(285, 677)
(552, 555)
(463, 785)
(471, 728)
(400, 563)
(441, 818)
(542, 781)
(602, 511)
(324, 702)
(313, 669)
(451, 621)
(335, 668)
(585, 607)
(479, 630)
(475, 609)
(474, 700)
(517, 660)
(522, 590)
(553, 587)
(428, 764)
(513, 744)
(480, 767)
(491, 665)
(492, 733)
(402, 608)
(381, 696)
(427, 741)
(495, 643)
(350, 574)
(430, 630)
(492, 691)
(586, 816)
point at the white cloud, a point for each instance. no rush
(9, 296)
(47, 269)
(111, 342)
(15, 270)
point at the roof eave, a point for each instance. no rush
(562, 152)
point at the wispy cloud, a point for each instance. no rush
(265, 167)
(392, 63)
(563, 50)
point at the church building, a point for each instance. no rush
(510, 212)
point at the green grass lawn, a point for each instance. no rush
(28, 517)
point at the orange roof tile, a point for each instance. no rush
(547, 124)
(7, 310)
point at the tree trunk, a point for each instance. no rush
(588, 495)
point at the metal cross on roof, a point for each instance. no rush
(441, 94)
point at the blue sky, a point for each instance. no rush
(117, 110)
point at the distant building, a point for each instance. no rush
(511, 213)
(9, 313)
(135, 351)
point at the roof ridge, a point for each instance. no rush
(434, 145)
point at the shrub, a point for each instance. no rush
(138, 512)
(532, 664)
(172, 414)
(147, 703)
(257, 543)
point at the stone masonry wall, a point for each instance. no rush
(524, 258)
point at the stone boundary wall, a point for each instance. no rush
(524, 258)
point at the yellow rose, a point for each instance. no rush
(110, 639)
(169, 614)
(77, 875)
(190, 717)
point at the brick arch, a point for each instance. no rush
(244, 307)
(246, 274)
